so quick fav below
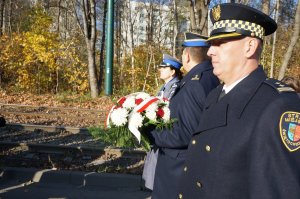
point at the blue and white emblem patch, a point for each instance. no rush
(290, 130)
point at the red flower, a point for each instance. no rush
(138, 101)
(160, 112)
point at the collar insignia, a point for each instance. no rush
(290, 130)
(196, 77)
(216, 13)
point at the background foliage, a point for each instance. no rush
(42, 49)
(38, 61)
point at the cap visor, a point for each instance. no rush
(163, 66)
(224, 36)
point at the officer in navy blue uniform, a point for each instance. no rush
(170, 72)
(186, 107)
(247, 144)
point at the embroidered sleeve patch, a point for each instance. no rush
(196, 77)
(290, 130)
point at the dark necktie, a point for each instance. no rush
(222, 94)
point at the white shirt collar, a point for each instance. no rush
(229, 88)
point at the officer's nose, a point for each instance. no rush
(211, 51)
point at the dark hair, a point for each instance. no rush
(292, 82)
(178, 72)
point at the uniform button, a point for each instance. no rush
(194, 142)
(199, 184)
(207, 148)
(185, 169)
(252, 34)
(180, 196)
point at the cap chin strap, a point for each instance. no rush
(224, 36)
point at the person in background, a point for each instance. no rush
(247, 144)
(169, 70)
(170, 73)
(186, 107)
(292, 82)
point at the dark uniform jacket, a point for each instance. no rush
(247, 144)
(166, 91)
(186, 107)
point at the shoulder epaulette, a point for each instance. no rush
(278, 85)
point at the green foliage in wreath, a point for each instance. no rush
(120, 137)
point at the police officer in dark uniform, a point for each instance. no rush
(170, 72)
(186, 107)
(247, 144)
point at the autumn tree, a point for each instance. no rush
(37, 61)
(293, 42)
(87, 21)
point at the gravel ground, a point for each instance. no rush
(60, 137)
(20, 157)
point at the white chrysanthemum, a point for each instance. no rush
(151, 115)
(142, 95)
(136, 120)
(152, 107)
(166, 116)
(119, 117)
(129, 102)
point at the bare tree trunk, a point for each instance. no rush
(9, 17)
(118, 33)
(148, 68)
(2, 16)
(175, 29)
(58, 31)
(4, 19)
(266, 10)
(124, 42)
(57, 79)
(58, 16)
(192, 16)
(293, 42)
(101, 70)
(131, 24)
(150, 23)
(274, 41)
(202, 11)
(89, 25)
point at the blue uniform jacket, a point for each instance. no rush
(186, 106)
(169, 88)
(241, 149)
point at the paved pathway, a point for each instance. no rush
(18, 183)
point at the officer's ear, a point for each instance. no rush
(252, 45)
(173, 72)
(188, 56)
